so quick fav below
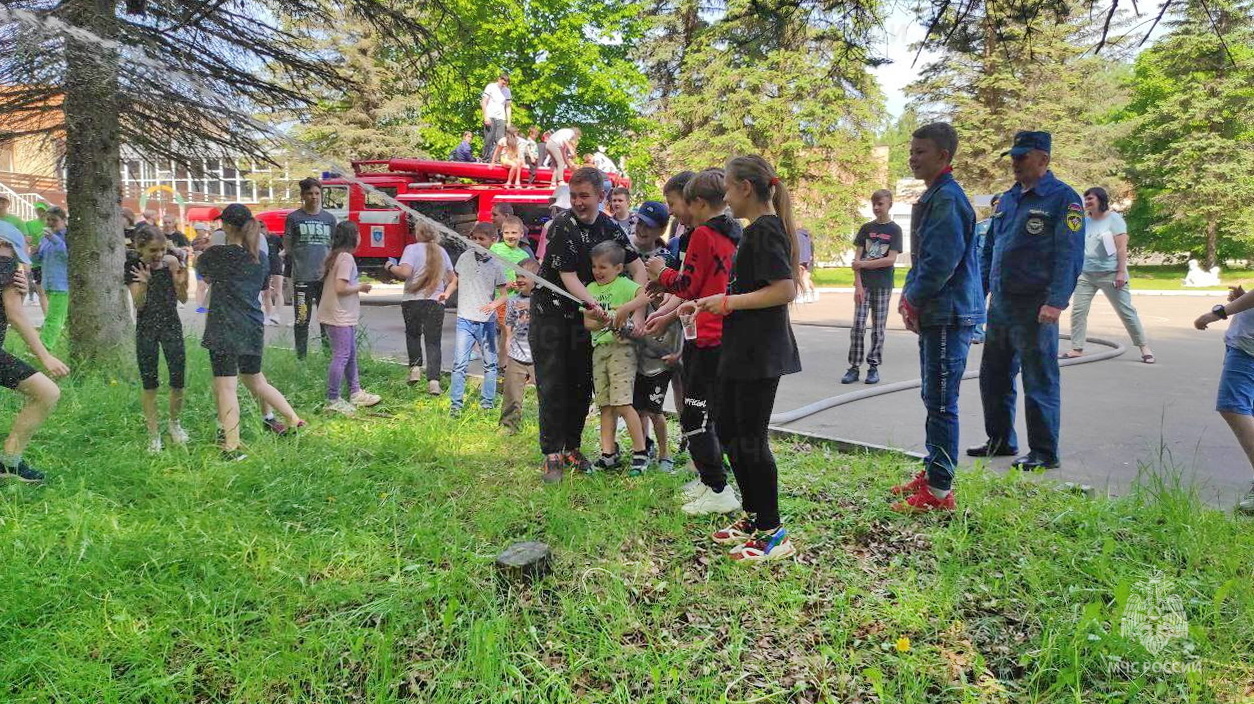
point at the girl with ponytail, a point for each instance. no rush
(758, 348)
(235, 332)
(427, 272)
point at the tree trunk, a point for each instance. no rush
(100, 329)
(1212, 245)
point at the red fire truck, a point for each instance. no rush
(456, 194)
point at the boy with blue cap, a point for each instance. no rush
(1031, 263)
(40, 391)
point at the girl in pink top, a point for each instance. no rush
(339, 311)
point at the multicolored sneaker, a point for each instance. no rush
(552, 469)
(639, 464)
(576, 462)
(273, 425)
(922, 501)
(765, 546)
(737, 533)
(910, 487)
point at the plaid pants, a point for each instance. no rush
(876, 302)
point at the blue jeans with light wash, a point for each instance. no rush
(469, 334)
(942, 360)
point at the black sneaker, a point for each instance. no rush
(22, 472)
(850, 376)
(606, 462)
(273, 425)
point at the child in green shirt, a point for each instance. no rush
(614, 355)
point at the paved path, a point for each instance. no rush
(1119, 415)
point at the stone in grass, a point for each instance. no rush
(1075, 488)
(525, 562)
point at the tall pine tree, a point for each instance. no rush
(1191, 149)
(1005, 68)
(778, 85)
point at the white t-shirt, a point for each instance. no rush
(604, 163)
(561, 137)
(334, 309)
(1099, 240)
(497, 97)
(415, 255)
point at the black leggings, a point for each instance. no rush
(148, 346)
(305, 300)
(743, 416)
(700, 411)
(562, 350)
(424, 321)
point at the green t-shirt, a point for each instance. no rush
(513, 255)
(611, 296)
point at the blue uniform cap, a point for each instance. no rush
(1027, 141)
(14, 237)
(653, 213)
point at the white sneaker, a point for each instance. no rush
(339, 405)
(362, 399)
(178, 436)
(154, 445)
(711, 501)
(693, 489)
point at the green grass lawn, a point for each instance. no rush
(1144, 278)
(355, 564)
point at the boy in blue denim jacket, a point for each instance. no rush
(942, 301)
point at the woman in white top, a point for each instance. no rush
(562, 146)
(427, 272)
(1105, 270)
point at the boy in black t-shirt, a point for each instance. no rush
(878, 243)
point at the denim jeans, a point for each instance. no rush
(942, 361)
(1017, 342)
(469, 334)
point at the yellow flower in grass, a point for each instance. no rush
(903, 644)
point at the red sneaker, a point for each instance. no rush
(919, 481)
(922, 501)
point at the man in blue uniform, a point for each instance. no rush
(1031, 263)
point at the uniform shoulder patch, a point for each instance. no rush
(1075, 218)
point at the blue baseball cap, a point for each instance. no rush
(1027, 141)
(13, 236)
(653, 213)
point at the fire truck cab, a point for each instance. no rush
(455, 194)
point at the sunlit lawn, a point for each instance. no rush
(355, 564)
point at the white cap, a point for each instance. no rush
(561, 194)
